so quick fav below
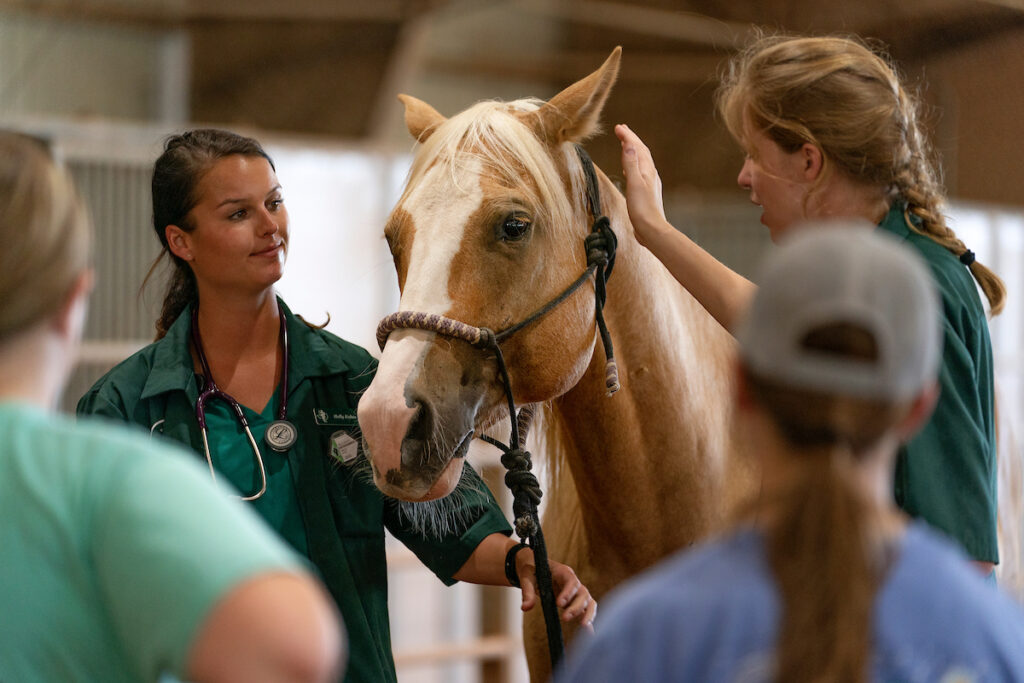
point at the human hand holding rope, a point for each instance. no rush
(574, 599)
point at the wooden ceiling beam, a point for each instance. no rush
(1011, 4)
(404, 66)
(564, 67)
(688, 27)
(931, 37)
(178, 12)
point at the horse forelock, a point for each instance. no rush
(497, 135)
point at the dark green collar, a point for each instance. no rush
(895, 222)
(309, 354)
(172, 362)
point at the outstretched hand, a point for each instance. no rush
(571, 596)
(643, 185)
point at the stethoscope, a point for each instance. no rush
(280, 435)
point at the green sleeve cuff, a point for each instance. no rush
(474, 518)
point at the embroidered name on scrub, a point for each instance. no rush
(329, 417)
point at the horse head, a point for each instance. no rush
(489, 228)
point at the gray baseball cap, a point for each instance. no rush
(844, 272)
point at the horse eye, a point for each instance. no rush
(514, 227)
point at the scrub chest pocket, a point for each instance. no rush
(357, 504)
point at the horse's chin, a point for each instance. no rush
(416, 492)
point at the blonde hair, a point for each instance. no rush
(846, 99)
(45, 232)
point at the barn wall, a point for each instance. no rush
(64, 67)
(981, 110)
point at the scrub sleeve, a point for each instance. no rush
(946, 475)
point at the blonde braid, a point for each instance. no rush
(915, 180)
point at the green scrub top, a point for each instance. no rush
(946, 475)
(343, 516)
(234, 458)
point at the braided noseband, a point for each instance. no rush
(600, 244)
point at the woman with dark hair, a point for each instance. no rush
(270, 402)
(821, 578)
(98, 582)
(830, 131)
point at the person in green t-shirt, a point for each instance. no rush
(830, 132)
(123, 562)
(283, 429)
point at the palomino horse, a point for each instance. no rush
(489, 228)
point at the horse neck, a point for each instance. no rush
(646, 460)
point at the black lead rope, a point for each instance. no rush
(600, 244)
(526, 495)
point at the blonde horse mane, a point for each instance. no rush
(496, 134)
(548, 438)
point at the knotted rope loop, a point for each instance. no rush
(487, 340)
(519, 478)
(601, 244)
(526, 525)
(526, 491)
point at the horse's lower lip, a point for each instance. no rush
(420, 492)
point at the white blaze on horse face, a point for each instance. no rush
(440, 207)
(383, 413)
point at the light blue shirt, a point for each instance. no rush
(712, 614)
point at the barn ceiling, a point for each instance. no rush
(333, 67)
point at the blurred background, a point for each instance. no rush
(315, 80)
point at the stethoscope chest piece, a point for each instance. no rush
(281, 435)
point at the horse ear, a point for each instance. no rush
(572, 114)
(420, 118)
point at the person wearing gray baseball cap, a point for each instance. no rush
(822, 577)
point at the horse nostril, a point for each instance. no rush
(421, 426)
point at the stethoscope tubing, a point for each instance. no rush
(259, 461)
(210, 390)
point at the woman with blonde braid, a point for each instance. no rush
(830, 132)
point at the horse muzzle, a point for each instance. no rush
(418, 415)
